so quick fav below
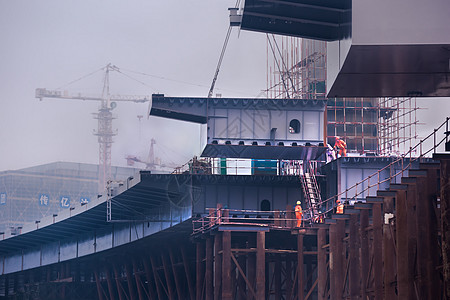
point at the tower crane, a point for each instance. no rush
(104, 116)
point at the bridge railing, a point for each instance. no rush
(280, 219)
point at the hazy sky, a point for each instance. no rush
(50, 43)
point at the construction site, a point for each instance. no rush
(322, 189)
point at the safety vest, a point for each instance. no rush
(298, 209)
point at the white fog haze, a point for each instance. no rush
(169, 47)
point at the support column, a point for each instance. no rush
(99, 286)
(260, 265)
(169, 282)
(187, 270)
(322, 273)
(354, 277)
(178, 283)
(159, 289)
(217, 266)
(138, 281)
(209, 269)
(226, 266)
(389, 249)
(333, 259)
(118, 284)
(377, 250)
(434, 285)
(277, 278)
(241, 281)
(416, 191)
(150, 279)
(364, 259)
(404, 285)
(129, 272)
(200, 270)
(112, 295)
(289, 282)
(300, 270)
(337, 258)
(445, 219)
(251, 271)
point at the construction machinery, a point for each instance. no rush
(104, 116)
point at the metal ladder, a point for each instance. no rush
(311, 191)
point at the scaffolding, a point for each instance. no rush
(296, 68)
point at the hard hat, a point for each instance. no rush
(298, 202)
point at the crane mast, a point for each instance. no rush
(104, 132)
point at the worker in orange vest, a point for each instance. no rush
(339, 207)
(340, 145)
(298, 213)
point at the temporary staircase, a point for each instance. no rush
(311, 191)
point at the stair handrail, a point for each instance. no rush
(401, 159)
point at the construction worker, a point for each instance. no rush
(341, 146)
(298, 213)
(339, 207)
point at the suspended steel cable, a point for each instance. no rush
(222, 54)
(76, 80)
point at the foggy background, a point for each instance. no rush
(170, 47)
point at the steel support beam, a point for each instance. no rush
(241, 294)
(150, 279)
(217, 266)
(434, 284)
(158, 284)
(200, 270)
(445, 220)
(354, 257)
(377, 250)
(176, 277)
(322, 273)
(277, 277)
(129, 273)
(337, 258)
(167, 275)
(405, 286)
(112, 295)
(365, 256)
(389, 250)
(187, 270)
(251, 271)
(227, 293)
(260, 265)
(99, 285)
(137, 278)
(288, 276)
(300, 267)
(209, 269)
(118, 284)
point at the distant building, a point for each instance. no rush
(29, 194)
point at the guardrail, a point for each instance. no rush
(405, 161)
(239, 166)
(278, 219)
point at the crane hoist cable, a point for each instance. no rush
(224, 47)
